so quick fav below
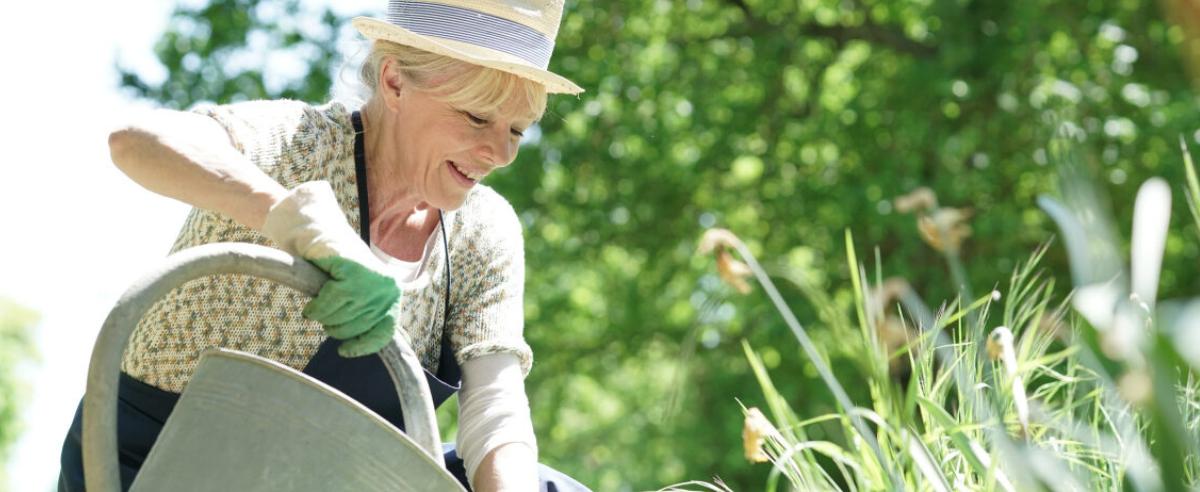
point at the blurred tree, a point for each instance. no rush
(16, 347)
(1186, 15)
(237, 50)
(786, 122)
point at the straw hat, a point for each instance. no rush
(516, 36)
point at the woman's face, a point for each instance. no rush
(444, 150)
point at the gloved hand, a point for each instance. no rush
(360, 304)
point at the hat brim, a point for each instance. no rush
(378, 29)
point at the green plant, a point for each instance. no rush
(1192, 191)
(1099, 397)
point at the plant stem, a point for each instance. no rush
(826, 375)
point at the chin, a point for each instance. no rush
(450, 204)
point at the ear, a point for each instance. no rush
(391, 84)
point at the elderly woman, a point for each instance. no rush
(386, 200)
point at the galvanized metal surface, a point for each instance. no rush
(248, 423)
(100, 402)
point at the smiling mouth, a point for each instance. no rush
(471, 175)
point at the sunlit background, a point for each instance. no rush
(73, 225)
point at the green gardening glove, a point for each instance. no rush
(360, 303)
(356, 305)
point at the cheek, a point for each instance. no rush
(437, 141)
(454, 137)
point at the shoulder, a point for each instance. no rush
(485, 234)
(485, 212)
(283, 120)
(279, 110)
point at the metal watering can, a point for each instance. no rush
(248, 423)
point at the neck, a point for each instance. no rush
(396, 211)
(389, 186)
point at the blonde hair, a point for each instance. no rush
(451, 81)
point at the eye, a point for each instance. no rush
(518, 133)
(476, 119)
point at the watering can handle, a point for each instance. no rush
(100, 402)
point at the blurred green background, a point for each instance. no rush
(16, 348)
(786, 122)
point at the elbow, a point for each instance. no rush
(122, 143)
(129, 143)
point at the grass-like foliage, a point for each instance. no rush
(1024, 388)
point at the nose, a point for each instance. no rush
(499, 146)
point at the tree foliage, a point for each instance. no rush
(16, 347)
(787, 122)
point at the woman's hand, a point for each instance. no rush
(360, 304)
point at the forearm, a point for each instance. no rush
(495, 434)
(510, 467)
(189, 157)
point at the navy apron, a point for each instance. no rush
(142, 409)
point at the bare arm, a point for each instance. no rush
(190, 157)
(511, 467)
